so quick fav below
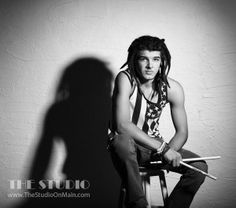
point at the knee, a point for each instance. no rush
(123, 146)
(199, 177)
(195, 179)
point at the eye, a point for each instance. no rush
(141, 58)
(156, 59)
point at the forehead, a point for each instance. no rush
(149, 53)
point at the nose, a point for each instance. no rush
(149, 64)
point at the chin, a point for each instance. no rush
(148, 78)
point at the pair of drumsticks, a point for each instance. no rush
(183, 162)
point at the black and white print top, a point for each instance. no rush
(144, 113)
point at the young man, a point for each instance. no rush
(140, 93)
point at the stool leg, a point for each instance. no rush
(122, 197)
(146, 189)
(164, 190)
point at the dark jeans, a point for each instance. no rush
(127, 155)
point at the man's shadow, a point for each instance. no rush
(79, 118)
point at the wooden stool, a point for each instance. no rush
(146, 173)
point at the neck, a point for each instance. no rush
(146, 84)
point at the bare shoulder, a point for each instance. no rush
(175, 91)
(174, 85)
(122, 83)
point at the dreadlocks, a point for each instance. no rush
(151, 44)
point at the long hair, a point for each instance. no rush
(151, 44)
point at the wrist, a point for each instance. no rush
(164, 147)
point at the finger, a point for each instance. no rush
(168, 160)
(178, 161)
(174, 163)
(180, 158)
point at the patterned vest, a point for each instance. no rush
(144, 113)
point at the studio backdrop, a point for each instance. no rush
(58, 60)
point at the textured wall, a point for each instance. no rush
(38, 39)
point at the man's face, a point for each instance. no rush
(148, 64)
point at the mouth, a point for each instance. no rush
(149, 72)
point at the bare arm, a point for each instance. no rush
(179, 118)
(178, 114)
(121, 110)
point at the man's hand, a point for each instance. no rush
(173, 157)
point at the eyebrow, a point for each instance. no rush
(157, 56)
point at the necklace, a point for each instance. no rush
(151, 95)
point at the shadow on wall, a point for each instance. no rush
(79, 118)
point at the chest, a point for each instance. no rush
(151, 108)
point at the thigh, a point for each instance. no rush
(122, 145)
(143, 154)
(187, 154)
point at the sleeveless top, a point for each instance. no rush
(144, 113)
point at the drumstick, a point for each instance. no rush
(198, 170)
(201, 158)
(191, 159)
